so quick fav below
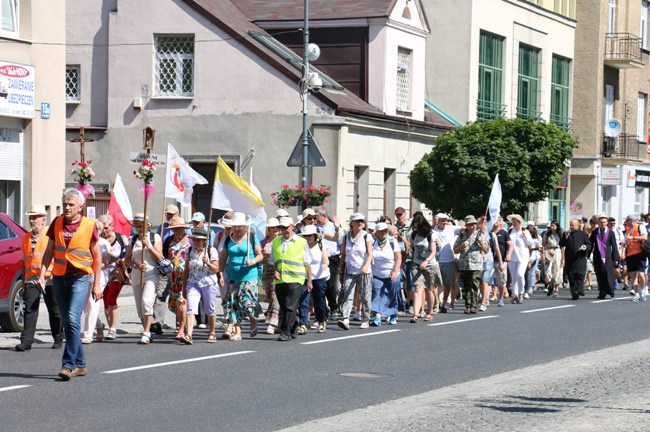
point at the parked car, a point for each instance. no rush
(12, 307)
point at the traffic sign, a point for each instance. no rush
(315, 158)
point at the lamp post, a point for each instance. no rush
(304, 169)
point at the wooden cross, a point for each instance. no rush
(82, 140)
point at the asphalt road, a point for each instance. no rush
(261, 384)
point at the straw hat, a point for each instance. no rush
(37, 210)
(177, 222)
(199, 234)
(516, 216)
(310, 230)
(139, 217)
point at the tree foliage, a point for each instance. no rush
(457, 175)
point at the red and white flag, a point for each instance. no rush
(120, 208)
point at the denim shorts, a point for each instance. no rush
(486, 276)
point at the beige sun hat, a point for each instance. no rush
(177, 222)
(286, 221)
(310, 230)
(37, 210)
(516, 216)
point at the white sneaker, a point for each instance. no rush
(315, 325)
(526, 295)
(364, 325)
(344, 324)
(482, 308)
(270, 329)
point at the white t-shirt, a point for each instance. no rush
(383, 260)
(356, 251)
(317, 271)
(447, 238)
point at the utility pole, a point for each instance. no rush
(305, 102)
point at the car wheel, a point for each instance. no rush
(14, 320)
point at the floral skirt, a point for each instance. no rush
(273, 312)
(176, 296)
(241, 301)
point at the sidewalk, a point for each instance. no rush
(129, 321)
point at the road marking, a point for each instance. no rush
(176, 362)
(463, 320)
(350, 337)
(546, 309)
(2, 389)
(613, 299)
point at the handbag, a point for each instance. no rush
(164, 267)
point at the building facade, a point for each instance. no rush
(504, 58)
(32, 116)
(610, 168)
(212, 82)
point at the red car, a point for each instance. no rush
(12, 308)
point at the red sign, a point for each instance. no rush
(14, 71)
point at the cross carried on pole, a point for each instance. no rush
(82, 140)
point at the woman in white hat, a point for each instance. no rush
(518, 256)
(143, 254)
(386, 264)
(201, 283)
(240, 256)
(178, 249)
(356, 253)
(320, 274)
(268, 275)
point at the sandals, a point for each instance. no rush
(428, 317)
(212, 338)
(235, 337)
(180, 336)
(227, 335)
(187, 340)
(414, 319)
(253, 331)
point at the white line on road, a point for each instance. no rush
(350, 337)
(546, 309)
(176, 362)
(463, 320)
(2, 389)
(613, 299)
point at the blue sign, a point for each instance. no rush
(45, 110)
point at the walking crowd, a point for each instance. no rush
(315, 266)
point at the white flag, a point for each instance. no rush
(180, 178)
(494, 204)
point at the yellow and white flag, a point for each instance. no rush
(231, 192)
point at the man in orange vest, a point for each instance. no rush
(635, 259)
(33, 247)
(73, 247)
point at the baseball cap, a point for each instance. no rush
(172, 209)
(285, 221)
(198, 217)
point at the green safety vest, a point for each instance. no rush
(291, 264)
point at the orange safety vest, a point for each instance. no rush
(32, 259)
(78, 251)
(633, 247)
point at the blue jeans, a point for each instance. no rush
(530, 275)
(318, 294)
(71, 292)
(303, 305)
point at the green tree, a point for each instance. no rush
(457, 175)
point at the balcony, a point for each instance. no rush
(486, 110)
(528, 114)
(623, 51)
(564, 123)
(625, 146)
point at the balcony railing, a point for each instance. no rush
(624, 146)
(486, 110)
(623, 50)
(525, 113)
(564, 123)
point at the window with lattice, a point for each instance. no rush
(174, 66)
(72, 84)
(403, 79)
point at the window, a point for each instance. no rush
(609, 102)
(174, 65)
(644, 25)
(490, 76)
(611, 16)
(389, 190)
(10, 199)
(9, 18)
(641, 110)
(528, 82)
(72, 84)
(560, 92)
(403, 79)
(360, 199)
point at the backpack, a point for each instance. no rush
(645, 246)
(365, 240)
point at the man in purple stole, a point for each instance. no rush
(605, 257)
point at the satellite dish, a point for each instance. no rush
(613, 128)
(314, 51)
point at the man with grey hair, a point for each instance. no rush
(74, 247)
(635, 259)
